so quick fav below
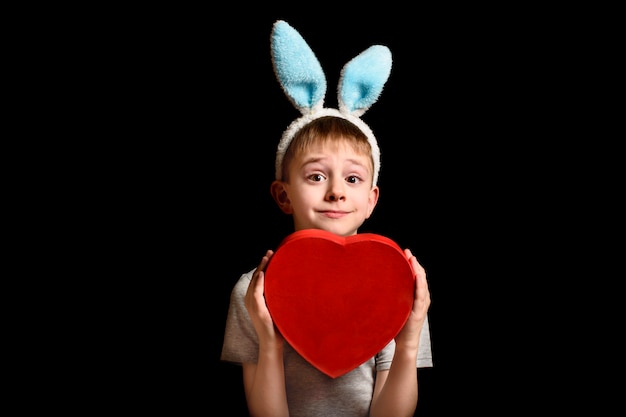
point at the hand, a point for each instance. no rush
(410, 333)
(256, 306)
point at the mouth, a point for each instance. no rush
(334, 214)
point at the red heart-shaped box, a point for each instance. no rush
(338, 300)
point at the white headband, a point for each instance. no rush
(301, 77)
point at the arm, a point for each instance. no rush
(264, 382)
(395, 392)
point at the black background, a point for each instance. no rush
(195, 114)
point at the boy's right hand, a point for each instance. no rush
(256, 306)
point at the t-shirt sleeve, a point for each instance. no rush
(424, 353)
(241, 343)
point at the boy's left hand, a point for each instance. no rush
(410, 333)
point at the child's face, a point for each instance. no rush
(329, 188)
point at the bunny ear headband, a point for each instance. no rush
(302, 79)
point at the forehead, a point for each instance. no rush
(345, 153)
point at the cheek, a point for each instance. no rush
(309, 199)
(370, 203)
(299, 199)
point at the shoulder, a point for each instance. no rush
(241, 286)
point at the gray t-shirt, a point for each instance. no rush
(311, 393)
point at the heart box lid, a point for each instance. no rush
(338, 300)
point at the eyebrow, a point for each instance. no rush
(318, 159)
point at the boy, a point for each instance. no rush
(326, 171)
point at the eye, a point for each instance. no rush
(316, 177)
(353, 179)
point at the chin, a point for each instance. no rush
(341, 231)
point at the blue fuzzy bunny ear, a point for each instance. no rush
(362, 80)
(297, 69)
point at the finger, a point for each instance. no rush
(421, 284)
(417, 267)
(262, 264)
(260, 285)
(265, 260)
(422, 292)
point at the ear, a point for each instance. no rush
(372, 201)
(279, 193)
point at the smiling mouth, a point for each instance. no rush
(334, 214)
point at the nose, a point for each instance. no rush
(336, 191)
